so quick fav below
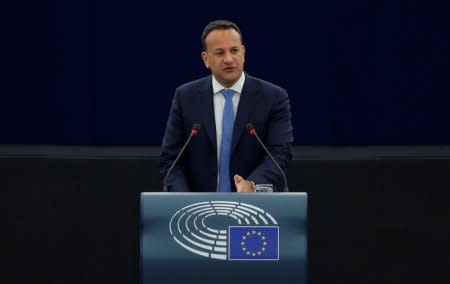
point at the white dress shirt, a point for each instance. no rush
(219, 103)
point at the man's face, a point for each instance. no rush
(224, 56)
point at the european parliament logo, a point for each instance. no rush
(226, 230)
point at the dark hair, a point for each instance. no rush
(219, 25)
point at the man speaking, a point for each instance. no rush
(209, 121)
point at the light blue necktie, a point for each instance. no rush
(225, 146)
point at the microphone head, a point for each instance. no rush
(250, 128)
(195, 129)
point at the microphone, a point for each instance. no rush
(194, 131)
(252, 132)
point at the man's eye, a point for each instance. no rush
(234, 51)
(219, 53)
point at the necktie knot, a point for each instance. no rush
(228, 94)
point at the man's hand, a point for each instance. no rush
(243, 185)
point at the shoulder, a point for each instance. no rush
(264, 88)
(194, 93)
(263, 85)
(196, 85)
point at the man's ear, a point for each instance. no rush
(205, 59)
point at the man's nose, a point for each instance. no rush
(228, 58)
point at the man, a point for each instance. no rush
(223, 156)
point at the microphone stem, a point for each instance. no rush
(176, 160)
(273, 160)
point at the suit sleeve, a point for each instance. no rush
(278, 140)
(174, 138)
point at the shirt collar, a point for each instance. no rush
(237, 87)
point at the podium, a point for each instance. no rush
(223, 238)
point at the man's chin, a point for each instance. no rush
(230, 79)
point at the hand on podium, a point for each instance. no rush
(243, 185)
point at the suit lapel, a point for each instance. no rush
(209, 123)
(245, 108)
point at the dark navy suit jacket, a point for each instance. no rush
(261, 103)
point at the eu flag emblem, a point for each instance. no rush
(253, 243)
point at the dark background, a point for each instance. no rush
(82, 75)
(104, 72)
(375, 218)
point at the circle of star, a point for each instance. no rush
(257, 234)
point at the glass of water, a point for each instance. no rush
(265, 187)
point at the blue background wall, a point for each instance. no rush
(104, 72)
